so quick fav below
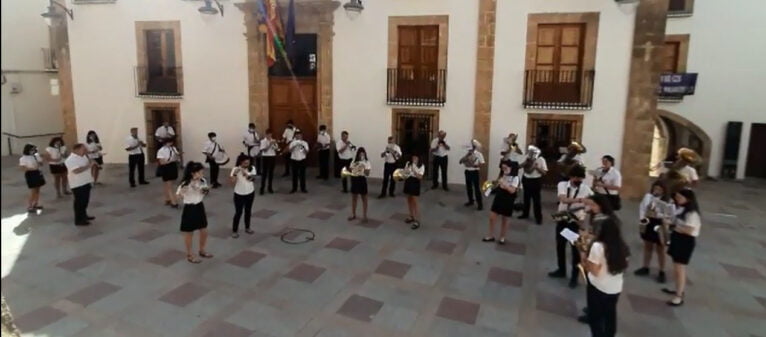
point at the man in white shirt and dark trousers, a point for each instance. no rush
(287, 137)
(164, 133)
(346, 152)
(472, 162)
(534, 168)
(251, 140)
(212, 150)
(609, 182)
(323, 148)
(298, 149)
(80, 180)
(136, 158)
(268, 148)
(440, 150)
(391, 155)
(571, 195)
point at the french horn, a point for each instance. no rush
(357, 170)
(488, 186)
(402, 174)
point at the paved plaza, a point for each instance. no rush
(126, 274)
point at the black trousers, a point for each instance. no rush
(341, 163)
(440, 163)
(324, 164)
(254, 160)
(214, 169)
(602, 312)
(561, 246)
(242, 203)
(388, 179)
(81, 200)
(532, 188)
(288, 163)
(136, 161)
(268, 171)
(299, 174)
(472, 187)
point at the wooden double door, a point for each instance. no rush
(294, 99)
(558, 66)
(418, 69)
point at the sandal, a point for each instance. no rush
(501, 241)
(676, 301)
(38, 207)
(249, 231)
(668, 291)
(488, 239)
(409, 220)
(206, 255)
(415, 225)
(192, 259)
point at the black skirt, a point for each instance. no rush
(58, 168)
(650, 234)
(503, 203)
(412, 186)
(99, 160)
(34, 178)
(681, 247)
(169, 172)
(193, 217)
(359, 185)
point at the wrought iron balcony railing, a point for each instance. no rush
(558, 89)
(421, 87)
(159, 81)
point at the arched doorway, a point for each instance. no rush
(672, 132)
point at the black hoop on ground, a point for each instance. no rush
(310, 236)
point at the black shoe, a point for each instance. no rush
(319, 177)
(91, 218)
(672, 302)
(293, 191)
(132, 185)
(286, 175)
(661, 277)
(523, 217)
(344, 191)
(501, 241)
(539, 221)
(261, 192)
(84, 223)
(668, 291)
(392, 195)
(216, 185)
(415, 225)
(643, 271)
(585, 310)
(480, 207)
(271, 191)
(382, 196)
(304, 191)
(488, 239)
(573, 282)
(470, 203)
(144, 183)
(557, 274)
(445, 188)
(434, 187)
(583, 319)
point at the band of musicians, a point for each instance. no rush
(584, 224)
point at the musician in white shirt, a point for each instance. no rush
(360, 167)
(168, 160)
(213, 152)
(511, 153)
(391, 155)
(242, 177)
(534, 167)
(268, 149)
(323, 149)
(287, 137)
(683, 240)
(609, 182)
(440, 149)
(571, 194)
(346, 151)
(192, 191)
(298, 150)
(78, 167)
(136, 158)
(252, 142)
(472, 162)
(31, 162)
(164, 132)
(93, 145)
(55, 154)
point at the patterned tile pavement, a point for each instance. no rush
(127, 275)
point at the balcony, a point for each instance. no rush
(159, 82)
(50, 62)
(558, 89)
(417, 87)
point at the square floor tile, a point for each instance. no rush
(393, 269)
(336, 206)
(512, 248)
(440, 246)
(556, 305)
(650, 306)
(120, 212)
(39, 318)
(76, 263)
(305, 273)
(226, 329)
(737, 272)
(504, 276)
(321, 215)
(184, 294)
(167, 258)
(158, 219)
(246, 258)
(449, 224)
(83, 233)
(360, 308)
(458, 310)
(342, 244)
(264, 213)
(93, 293)
(147, 235)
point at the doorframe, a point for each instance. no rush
(148, 118)
(432, 114)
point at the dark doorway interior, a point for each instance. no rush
(155, 117)
(551, 136)
(414, 132)
(756, 161)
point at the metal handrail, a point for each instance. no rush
(10, 148)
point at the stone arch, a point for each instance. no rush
(679, 121)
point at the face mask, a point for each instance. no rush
(252, 130)
(577, 183)
(212, 138)
(363, 157)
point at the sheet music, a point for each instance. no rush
(570, 235)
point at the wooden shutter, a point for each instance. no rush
(669, 61)
(418, 61)
(677, 6)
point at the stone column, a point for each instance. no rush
(60, 46)
(324, 68)
(485, 55)
(257, 70)
(641, 111)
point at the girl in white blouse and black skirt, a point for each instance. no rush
(682, 241)
(243, 178)
(30, 162)
(651, 225)
(55, 154)
(192, 190)
(502, 206)
(167, 168)
(93, 144)
(359, 184)
(415, 170)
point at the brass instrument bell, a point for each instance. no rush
(577, 147)
(345, 173)
(488, 186)
(688, 155)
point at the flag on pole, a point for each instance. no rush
(269, 10)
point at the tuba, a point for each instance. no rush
(568, 162)
(533, 152)
(673, 179)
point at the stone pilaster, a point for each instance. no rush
(324, 69)
(257, 71)
(60, 46)
(648, 38)
(485, 55)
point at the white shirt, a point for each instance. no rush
(168, 153)
(243, 186)
(288, 134)
(478, 159)
(689, 173)
(605, 281)
(211, 148)
(192, 193)
(366, 163)
(570, 191)
(324, 140)
(94, 150)
(539, 162)
(511, 181)
(613, 178)
(510, 154)
(577, 158)
(73, 162)
(164, 132)
(389, 154)
(131, 142)
(420, 170)
(56, 154)
(345, 154)
(298, 149)
(32, 162)
(647, 201)
(250, 138)
(266, 149)
(692, 219)
(438, 149)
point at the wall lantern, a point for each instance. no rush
(52, 14)
(208, 8)
(353, 8)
